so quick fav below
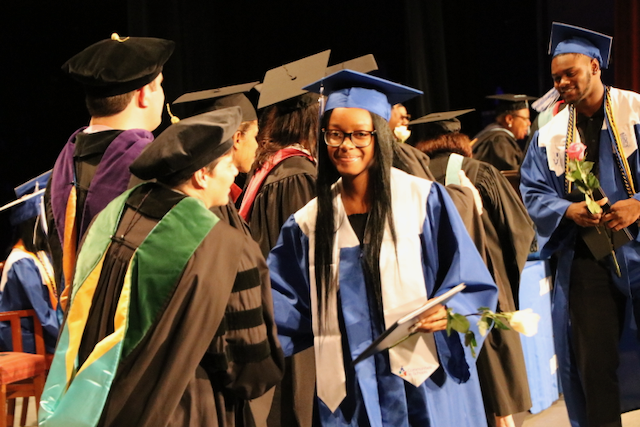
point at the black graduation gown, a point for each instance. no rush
(498, 148)
(417, 163)
(288, 187)
(210, 350)
(509, 233)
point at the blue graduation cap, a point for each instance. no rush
(567, 38)
(29, 199)
(351, 89)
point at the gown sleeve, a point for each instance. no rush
(451, 258)
(24, 291)
(288, 266)
(541, 191)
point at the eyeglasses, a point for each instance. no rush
(527, 119)
(359, 138)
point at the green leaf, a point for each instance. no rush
(501, 325)
(592, 182)
(574, 175)
(470, 341)
(593, 207)
(586, 167)
(458, 323)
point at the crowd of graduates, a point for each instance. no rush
(233, 270)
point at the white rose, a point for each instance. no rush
(402, 133)
(525, 322)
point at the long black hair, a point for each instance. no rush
(294, 121)
(380, 214)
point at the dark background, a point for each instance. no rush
(456, 51)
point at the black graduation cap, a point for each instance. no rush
(119, 65)
(224, 97)
(436, 124)
(286, 82)
(511, 102)
(567, 38)
(363, 64)
(188, 145)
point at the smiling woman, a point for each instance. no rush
(352, 130)
(364, 253)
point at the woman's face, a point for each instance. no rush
(521, 123)
(349, 160)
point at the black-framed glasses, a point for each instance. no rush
(528, 119)
(359, 138)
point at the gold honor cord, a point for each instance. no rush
(571, 131)
(618, 152)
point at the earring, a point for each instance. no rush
(509, 124)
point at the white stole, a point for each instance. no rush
(626, 112)
(402, 282)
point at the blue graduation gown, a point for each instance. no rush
(24, 290)
(543, 194)
(375, 396)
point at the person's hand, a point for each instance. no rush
(578, 213)
(622, 214)
(433, 320)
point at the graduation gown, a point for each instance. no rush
(509, 233)
(199, 339)
(542, 187)
(98, 163)
(24, 287)
(375, 396)
(287, 188)
(498, 147)
(417, 163)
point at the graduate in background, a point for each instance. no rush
(508, 235)
(497, 144)
(27, 281)
(166, 334)
(590, 300)
(284, 175)
(122, 79)
(245, 144)
(399, 241)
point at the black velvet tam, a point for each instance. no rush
(119, 65)
(187, 146)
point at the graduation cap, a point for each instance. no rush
(28, 204)
(224, 97)
(363, 64)
(187, 146)
(119, 65)
(351, 89)
(567, 38)
(286, 82)
(511, 102)
(436, 124)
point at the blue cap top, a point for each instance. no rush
(351, 89)
(30, 207)
(571, 39)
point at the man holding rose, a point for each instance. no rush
(602, 126)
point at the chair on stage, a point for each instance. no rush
(21, 374)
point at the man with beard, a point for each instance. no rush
(590, 299)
